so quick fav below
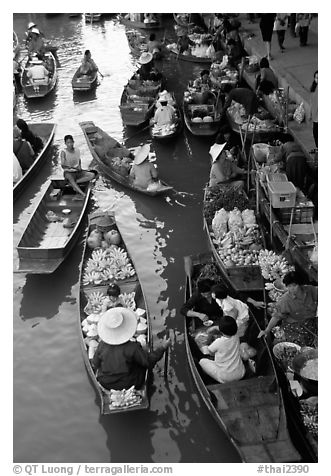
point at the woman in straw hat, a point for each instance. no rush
(223, 170)
(143, 172)
(119, 361)
(147, 71)
(165, 113)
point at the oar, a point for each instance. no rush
(138, 132)
(188, 266)
(166, 362)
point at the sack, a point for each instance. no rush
(299, 114)
(152, 187)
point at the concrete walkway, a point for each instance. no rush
(294, 68)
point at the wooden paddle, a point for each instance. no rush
(188, 266)
(138, 132)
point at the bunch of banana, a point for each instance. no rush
(128, 300)
(92, 277)
(96, 303)
(124, 398)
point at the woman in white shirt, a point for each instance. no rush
(227, 365)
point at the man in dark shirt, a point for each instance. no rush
(23, 150)
(121, 363)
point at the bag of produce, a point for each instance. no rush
(219, 223)
(248, 217)
(235, 221)
(261, 152)
(299, 114)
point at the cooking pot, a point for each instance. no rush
(298, 363)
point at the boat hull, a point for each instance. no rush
(35, 91)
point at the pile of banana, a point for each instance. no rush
(107, 265)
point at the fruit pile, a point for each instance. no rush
(124, 398)
(107, 265)
(219, 197)
(273, 266)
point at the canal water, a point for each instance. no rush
(56, 413)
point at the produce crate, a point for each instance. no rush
(301, 214)
(282, 194)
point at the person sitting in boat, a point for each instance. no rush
(165, 114)
(71, 165)
(201, 306)
(297, 311)
(234, 51)
(234, 307)
(184, 43)
(143, 173)
(147, 71)
(294, 162)
(227, 365)
(88, 66)
(29, 33)
(223, 170)
(204, 82)
(114, 298)
(17, 169)
(36, 43)
(154, 46)
(22, 150)
(35, 141)
(150, 18)
(38, 73)
(266, 80)
(120, 362)
(244, 96)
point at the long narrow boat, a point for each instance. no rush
(36, 90)
(167, 133)
(93, 132)
(250, 411)
(137, 106)
(85, 82)
(202, 128)
(240, 278)
(134, 297)
(260, 133)
(137, 43)
(46, 132)
(141, 25)
(298, 249)
(190, 58)
(53, 228)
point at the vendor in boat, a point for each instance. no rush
(293, 160)
(227, 365)
(34, 140)
(266, 80)
(17, 170)
(22, 150)
(184, 43)
(36, 43)
(154, 46)
(71, 165)
(147, 71)
(88, 66)
(165, 114)
(201, 306)
(234, 48)
(29, 33)
(150, 18)
(118, 361)
(38, 73)
(297, 311)
(244, 96)
(223, 170)
(203, 82)
(143, 173)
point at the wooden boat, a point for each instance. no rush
(259, 134)
(137, 43)
(92, 17)
(85, 82)
(128, 285)
(137, 104)
(41, 90)
(46, 132)
(202, 128)
(238, 278)
(300, 244)
(141, 25)
(16, 46)
(249, 411)
(191, 58)
(167, 134)
(74, 15)
(91, 131)
(45, 243)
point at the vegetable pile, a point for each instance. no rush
(223, 197)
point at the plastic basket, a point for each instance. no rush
(282, 194)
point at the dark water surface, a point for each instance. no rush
(56, 415)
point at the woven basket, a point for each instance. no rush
(103, 222)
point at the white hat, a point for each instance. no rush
(117, 325)
(31, 25)
(141, 154)
(36, 31)
(163, 96)
(215, 151)
(145, 57)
